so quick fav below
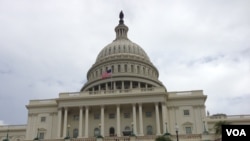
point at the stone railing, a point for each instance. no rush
(12, 127)
(110, 92)
(229, 117)
(191, 137)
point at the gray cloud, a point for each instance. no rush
(47, 47)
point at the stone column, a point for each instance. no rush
(122, 85)
(59, 122)
(102, 120)
(65, 122)
(134, 119)
(118, 120)
(86, 121)
(157, 119)
(131, 84)
(163, 108)
(114, 85)
(140, 119)
(80, 123)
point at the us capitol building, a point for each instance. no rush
(122, 97)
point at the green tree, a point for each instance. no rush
(163, 138)
(218, 126)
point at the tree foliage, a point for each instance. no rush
(163, 138)
(218, 126)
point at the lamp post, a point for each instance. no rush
(166, 134)
(7, 137)
(176, 129)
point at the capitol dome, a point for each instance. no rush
(124, 64)
(122, 47)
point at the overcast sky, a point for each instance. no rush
(47, 47)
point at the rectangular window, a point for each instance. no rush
(76, 117)
(188, 130)
(96, 116)
(186, 112)
(126, 115)
(111, 116)
(41, 135)
(132, 68)
(148, 114)
(43, 119)
(119, 68)
(125, 68)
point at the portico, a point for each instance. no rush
(118, 117)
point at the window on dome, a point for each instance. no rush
(132, 68)
(112, 69)
(138, 69)
(100, 71)
(119, 68)
(125, 68)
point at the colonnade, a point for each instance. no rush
(118, 120)
(113, 85)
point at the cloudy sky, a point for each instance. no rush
(47, 47)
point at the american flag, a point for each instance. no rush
(107, 74)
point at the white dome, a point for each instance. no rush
(122, 47)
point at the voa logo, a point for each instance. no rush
(236, 132)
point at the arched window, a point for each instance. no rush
(127, 128)
(96, 132)
(75, 133)
(149, 130)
